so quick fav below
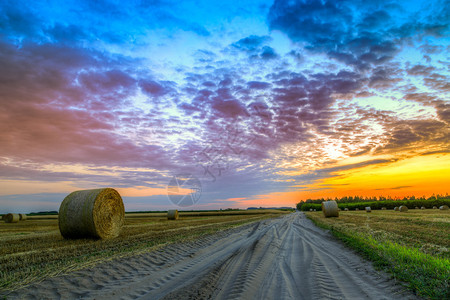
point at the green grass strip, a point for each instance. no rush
(426, 275)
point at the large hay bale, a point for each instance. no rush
(97, 213)
(396, 208)
(403, 208)
(330, 209)
(423, 207)
(434, 207)
(368, 209)
(443, 207)
(383, 208)
(22, 217)
(172, 214)
(12, 218)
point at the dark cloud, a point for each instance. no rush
(251, 43)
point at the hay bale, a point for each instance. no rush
(434, 207)
(22, 217)
(403, 208)
(356, 209)
(443, 207)
(315, 209)
(310, 209)
(416, 207)
(330, 209)
(383, 208)
(172, 214)
(346, 209)
(97, 213)
(368, 209)
(396, 208)
(423, 207)
(12, 218)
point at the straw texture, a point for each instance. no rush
(22, 217)
(95, 213)
(443, 207)
(172, 214)
(330, 209)
(12, 218)
(368, 209)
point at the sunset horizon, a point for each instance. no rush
(249, 104)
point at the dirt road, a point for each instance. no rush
(283, 258)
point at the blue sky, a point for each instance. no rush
(266, 103)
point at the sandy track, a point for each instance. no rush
(283, 258)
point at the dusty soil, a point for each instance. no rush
(283, 258)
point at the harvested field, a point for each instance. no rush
(414, 246)
(276, 258)
(35, 249)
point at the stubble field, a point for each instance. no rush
(413, 246)
(33, 250)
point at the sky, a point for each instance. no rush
(246, 103)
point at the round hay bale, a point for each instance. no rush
(346, 209)
(356, 209)
(315, 209)
(396, 208)
(403, 208)
(383, 208)
(368, 209)
(330, 209)
(310, 209)
(443, 207)
(416, 207)
(423, 207)
(22, 217)
(97, 213)
(172, 214)
(12, 218)
(434, 207)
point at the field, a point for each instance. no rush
(412, 246)
(34, 249)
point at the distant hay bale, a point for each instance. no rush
(315, 209)
(346, 209)
(416, 207)
(310, 209)
(12, 218)
(403, 208)
(368, 209)
(330, 209)
(383, 208)
(97, 213)
(423, 207)
(443, 207)
(172, 214)
(22, 217)
(356, 208)
(434, 207)
(396, 208)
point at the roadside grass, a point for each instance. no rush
(33, 250)
(412, 246)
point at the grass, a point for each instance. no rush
(412, 246)
(34, 249)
